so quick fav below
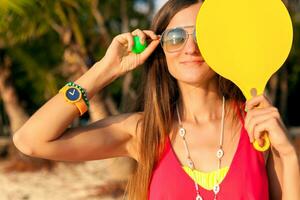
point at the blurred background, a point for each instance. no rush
(44, 44)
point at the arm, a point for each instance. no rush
(282, 173)
(54, 117)
(290, 176)
(46, 135)
(283, 164)
(110, 137)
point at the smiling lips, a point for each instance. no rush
(192, 61)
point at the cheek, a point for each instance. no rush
(172, 63)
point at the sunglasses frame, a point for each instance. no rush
(186, 39)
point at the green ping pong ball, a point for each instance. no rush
(138, 47)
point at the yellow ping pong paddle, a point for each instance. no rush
(245, 41)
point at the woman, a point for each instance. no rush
(188, 114)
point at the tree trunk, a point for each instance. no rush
(73, 67)
(100, 22)
(151, 8)
(273, 83)
(128, 94)
(120, 168)
(283, 94)
(17, 116)
(74, 58)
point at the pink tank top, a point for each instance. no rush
(245, 180)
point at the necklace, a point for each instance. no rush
(219, 154)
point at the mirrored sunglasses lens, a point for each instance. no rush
(174, 39)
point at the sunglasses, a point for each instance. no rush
(174, 39)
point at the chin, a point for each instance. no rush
(196, 79)
(195, 75)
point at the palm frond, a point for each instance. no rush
(16, 6)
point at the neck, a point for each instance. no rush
(200, 104)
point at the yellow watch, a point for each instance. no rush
(74, 95)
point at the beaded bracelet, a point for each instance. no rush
(83, 92)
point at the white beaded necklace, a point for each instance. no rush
(219, 153)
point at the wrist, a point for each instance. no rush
(290, 160)
(97, 77)
(109, 67)
(288, 153)
(75, 95)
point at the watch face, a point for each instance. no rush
(73, 94)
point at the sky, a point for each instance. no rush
(159, 3)
(143, 7)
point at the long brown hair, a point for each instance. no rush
(158, 103)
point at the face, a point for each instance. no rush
(184, 59)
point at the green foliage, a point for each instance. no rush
(18, 23)
(31, 35)
(35, 70)
(15, 6)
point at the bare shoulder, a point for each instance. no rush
(119, 133)
(133, 124)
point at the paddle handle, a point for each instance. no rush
(265, 137)
(266, 144)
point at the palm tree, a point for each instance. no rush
(17, 116)
(18, 25)
(64, 18)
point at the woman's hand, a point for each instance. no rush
(119, 52)
(261, 117)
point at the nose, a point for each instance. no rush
(191, 47)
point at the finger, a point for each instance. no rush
(260, 111)
(258, 119)
(126, 40)
(251, 136)
(261, 129)
(256, 101)
(140, 34)
(130, 41)
(151, 34)
(148, 51)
